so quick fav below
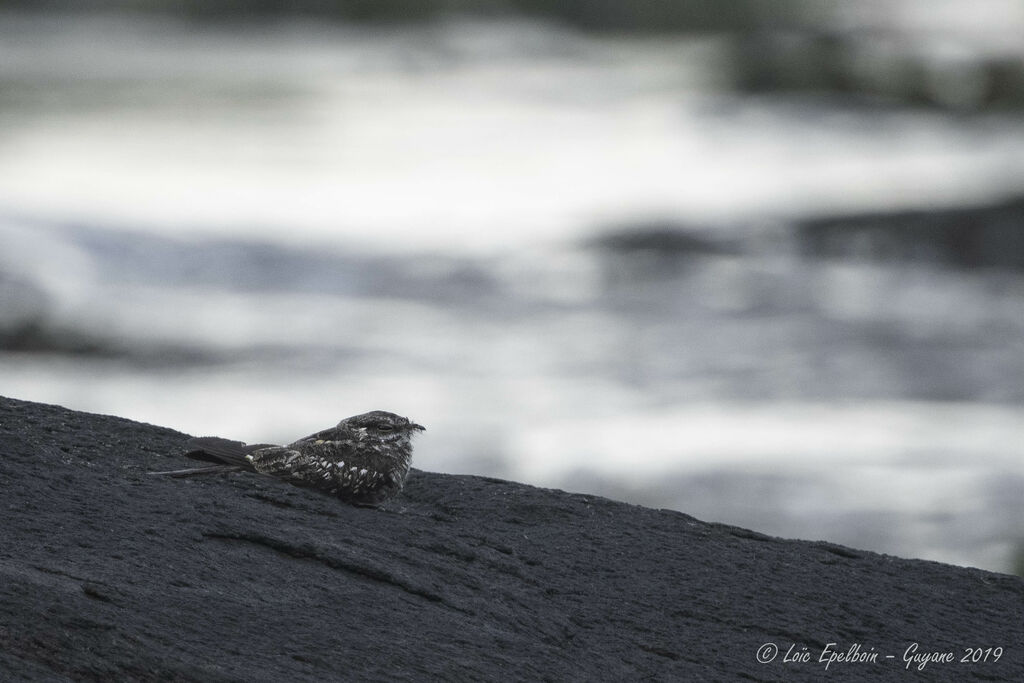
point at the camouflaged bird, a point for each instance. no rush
(364, 460)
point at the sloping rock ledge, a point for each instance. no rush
(107, 573)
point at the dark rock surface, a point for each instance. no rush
(108, 573)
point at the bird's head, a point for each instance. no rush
(382, 425)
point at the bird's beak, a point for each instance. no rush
(419, 427)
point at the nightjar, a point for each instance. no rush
(363, 460)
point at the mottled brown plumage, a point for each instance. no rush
(363, 460)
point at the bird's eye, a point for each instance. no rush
(384, 427)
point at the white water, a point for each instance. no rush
(464, 136)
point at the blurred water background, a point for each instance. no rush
(762, 263)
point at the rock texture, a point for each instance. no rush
(108, 573)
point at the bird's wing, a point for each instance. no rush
(196, 471)
(302, 461)
(278, 461)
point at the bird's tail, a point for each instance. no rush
(225, 451)
(229, 456)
